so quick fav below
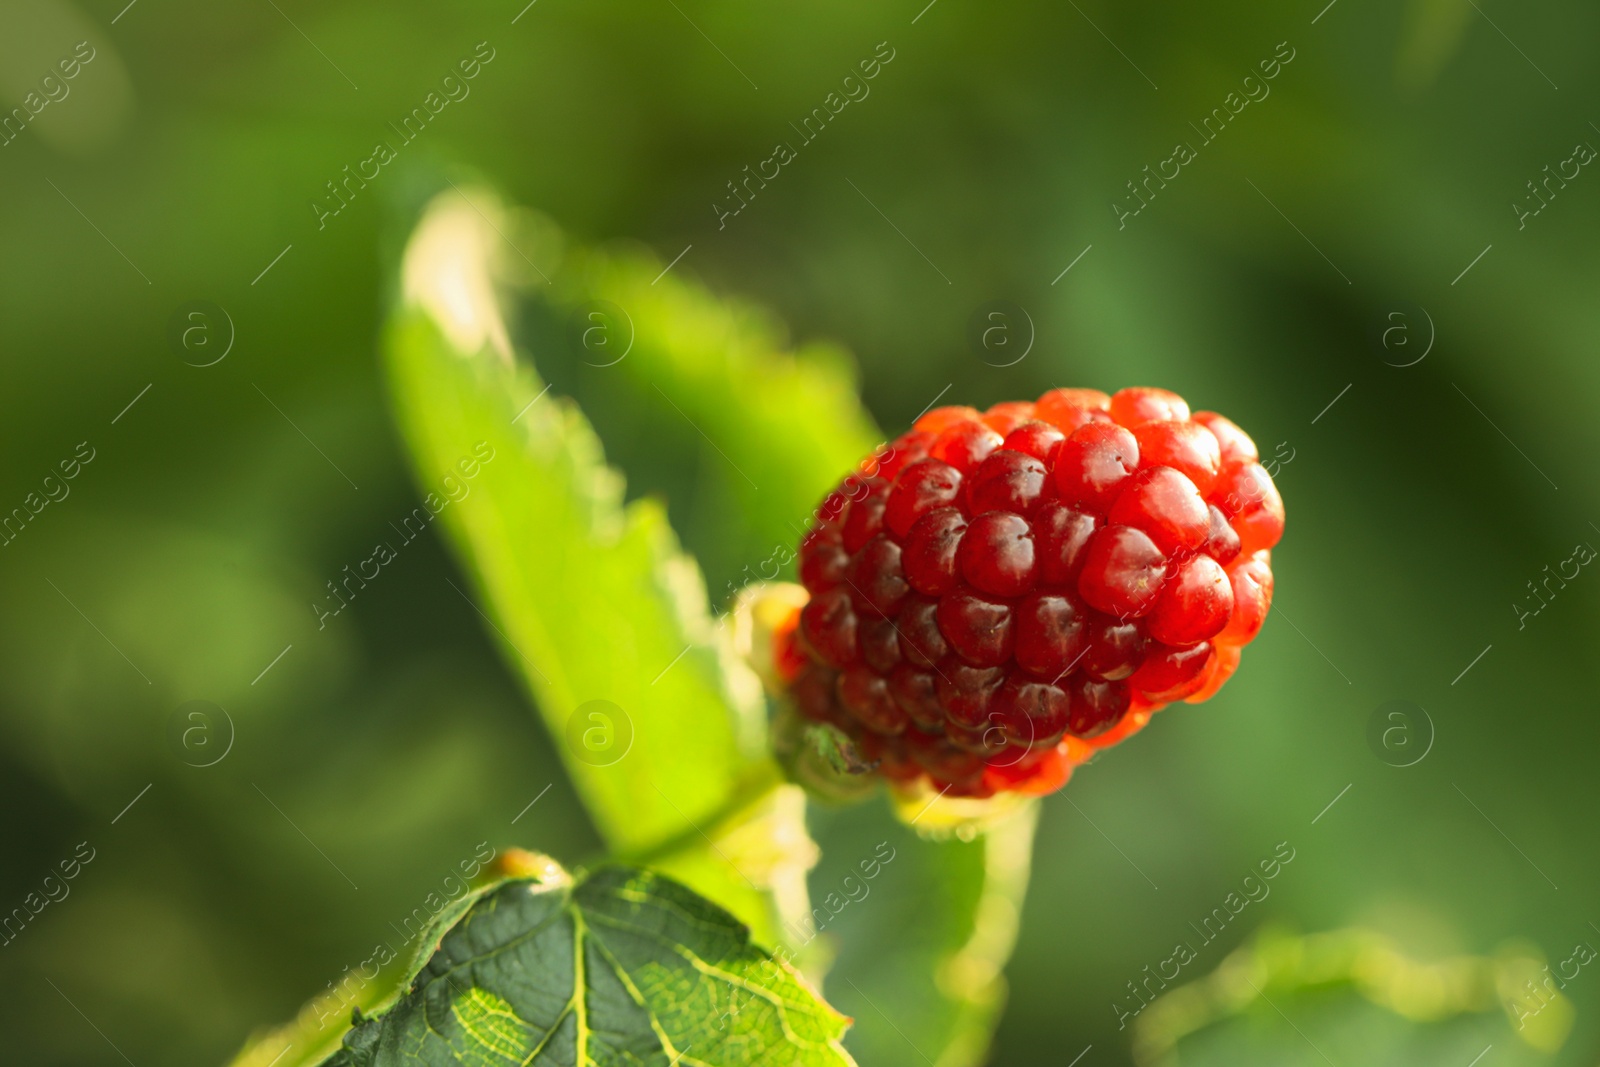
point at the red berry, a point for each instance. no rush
(1251, 580)
(1233, 444)
(929, 558)
(990, 580)
(828, 627)
(1029, 712)
(1096, 706)
(1049, 634)
(998, 554)
(822, 558)
(949, 767)
(876, 581)
(878, 641)
(1222, 540)
(832, 507)
(1165, 505)
(1093, 463)
(1195, 605)
(1007, 481)
(916, 694)
(1038, 772)
(1115, 649)
(1134, 407)
(1218, 670)
(1060, 534)
(1251, 502)
(965, 691)
(921, 487)
(906, 450)
(813, 691)
(979, 630)
(864, 518)
(1038, 439)
(940, 419)
(1123, 571)
(865, 696)
(1184, 446)
(788, 658)
(1003, 418)
(965, 445)
(1068, 409)
(1170, 673)
(986, 741)
(918, 630)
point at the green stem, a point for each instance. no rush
(766, 777)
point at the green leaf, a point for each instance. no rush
(620, 967)
(661, 728)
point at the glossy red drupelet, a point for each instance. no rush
(996, 595)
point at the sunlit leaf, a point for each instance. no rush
(618, 967)
(661, 728)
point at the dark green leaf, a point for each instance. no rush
(622, 967)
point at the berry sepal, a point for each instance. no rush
(821, 758)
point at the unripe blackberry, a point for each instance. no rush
(996, 595)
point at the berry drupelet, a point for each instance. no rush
(996, 595)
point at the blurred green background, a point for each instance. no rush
(1392, 150)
